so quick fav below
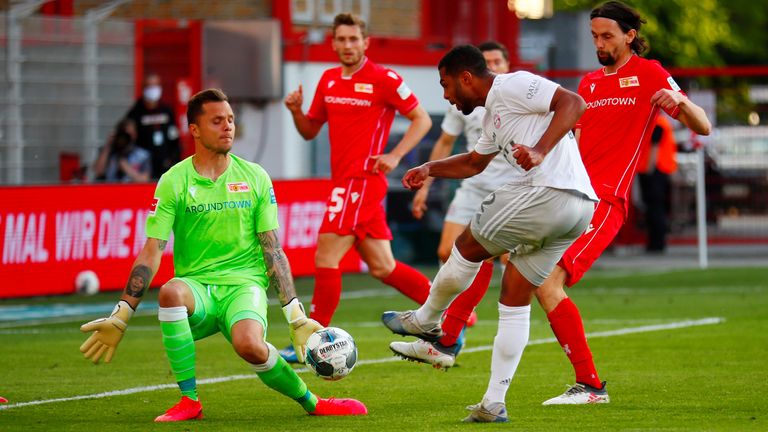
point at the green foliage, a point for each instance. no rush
(702, 33)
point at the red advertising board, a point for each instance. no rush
(48, 234)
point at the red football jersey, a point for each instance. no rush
(359, 110)
(618, 122)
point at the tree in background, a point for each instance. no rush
(703, 33)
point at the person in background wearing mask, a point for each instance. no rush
(120, 159)
(156, 127)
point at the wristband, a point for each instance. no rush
(294, 311)
(123, 311)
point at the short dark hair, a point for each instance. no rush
(196, 102)
(350, 20)
(627, 19)
(464, 58)
(493, 46)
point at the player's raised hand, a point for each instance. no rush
(526, 157)
(419, 205)
(415, 177)
(107, 333)
(295, 99)
(667, 99)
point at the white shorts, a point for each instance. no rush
(535, 224)
(465, 203)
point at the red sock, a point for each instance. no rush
(327, 293)
(565, 321)
(459, 311)
(409, 281)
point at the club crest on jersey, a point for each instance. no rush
(496, 121)
(592, 88)
(629, 82)
(153, 206)
(238, 187)
(364, 88)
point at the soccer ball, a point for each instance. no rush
(87, 283)
(331, 353)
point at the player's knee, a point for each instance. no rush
(381, 270)
(443, 252)
(251, 350)
(550, 295)
(172, 293)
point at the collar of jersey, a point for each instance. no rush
(200, 179)
(619, 68)
(346, 77)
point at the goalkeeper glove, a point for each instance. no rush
(107, 333)
(300, 327)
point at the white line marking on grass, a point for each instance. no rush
(609, 333)
(151, 309)
(621, 332)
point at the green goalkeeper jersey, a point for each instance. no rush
(215, 223)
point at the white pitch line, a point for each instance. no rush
(609, 333)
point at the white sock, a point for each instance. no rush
(508, 346)
(452, 279)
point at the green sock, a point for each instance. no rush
(180, 349)
(284, 379)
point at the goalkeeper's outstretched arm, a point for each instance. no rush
(281, 280)
(107, 332)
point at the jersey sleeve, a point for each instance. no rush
(162, 213)
(582, 91)
(453, 122)
(266, 204)
(317, 111)
(397, 93)
(526, 93)
(486, 144)
(663, 80)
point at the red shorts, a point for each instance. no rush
(355, 207)
(606, 222)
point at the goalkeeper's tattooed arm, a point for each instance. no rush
(143, 270)
(278, 268)
(281, 280)
(106, 333)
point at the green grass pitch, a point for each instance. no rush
(700, 376)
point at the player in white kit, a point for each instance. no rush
(466, 201)
(535, 217)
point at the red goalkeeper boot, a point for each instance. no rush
(339, 407)
(186, 409)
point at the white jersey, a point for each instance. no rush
(498, 172)
(517, 112)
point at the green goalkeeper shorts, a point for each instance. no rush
(219, 307)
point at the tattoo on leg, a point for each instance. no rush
(138, 281)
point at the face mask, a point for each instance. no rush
(152, 93)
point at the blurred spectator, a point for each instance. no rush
(120, 159)
(156, 126)
(654, 171)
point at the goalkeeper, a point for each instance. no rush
(223, 214)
